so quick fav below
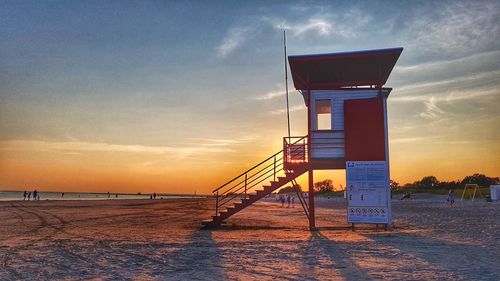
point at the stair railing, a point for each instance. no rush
(295, 151)
(271, 167)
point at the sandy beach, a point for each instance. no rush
(163, 240)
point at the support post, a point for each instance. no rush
(312, 220)
(285, 155)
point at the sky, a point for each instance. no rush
(181, 96)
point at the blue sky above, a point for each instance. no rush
(180, 75)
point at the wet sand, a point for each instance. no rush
(162, 240)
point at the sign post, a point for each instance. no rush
(368, 192)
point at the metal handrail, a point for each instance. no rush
(271, 166)
(295, 150)
(247, 178)
(247, 187)
(242, 174)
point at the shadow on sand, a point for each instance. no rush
(252, 227)
(198, 259)
(324, 257)
(470, 262)
(195, 259)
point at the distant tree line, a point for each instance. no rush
(323, 186)
(426, 183)
(431, 182)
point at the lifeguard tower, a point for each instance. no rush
(347, 129)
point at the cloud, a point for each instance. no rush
(471, 94)
(319, 26)
(432, 111)
(436, 65)
(456, 29)
(413, 139)
(223, 142)
(443, 69)
(79, 147)
(270, 95)
(450, 96)
(474, 87)
(433, 102)
(443, 99)
(440, 139)
(235, 38)
(292, 109)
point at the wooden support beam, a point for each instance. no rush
(312, 220)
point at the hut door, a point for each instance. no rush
(364, 130)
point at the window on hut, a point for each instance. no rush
(323, 114)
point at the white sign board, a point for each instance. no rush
(368, 192)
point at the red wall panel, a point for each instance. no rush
(364, 130)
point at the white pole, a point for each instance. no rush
(286, 86)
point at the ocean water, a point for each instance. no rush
(18, 195)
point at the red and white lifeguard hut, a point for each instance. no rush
(347, 129)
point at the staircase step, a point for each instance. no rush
(212, 223)
(243, 205)
(207, 222)
(293, 172)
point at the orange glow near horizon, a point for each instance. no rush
(79, 167)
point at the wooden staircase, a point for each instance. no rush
(279, 169)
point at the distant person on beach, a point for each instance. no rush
(25, 194)
(62, 195)
(288, 200)
(407, 195)
(282, 200)
(109, 195)
(35, 193)
(29, 195)
(154, 195)
(116, 195)
(451, 197)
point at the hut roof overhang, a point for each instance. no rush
(343, 70)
